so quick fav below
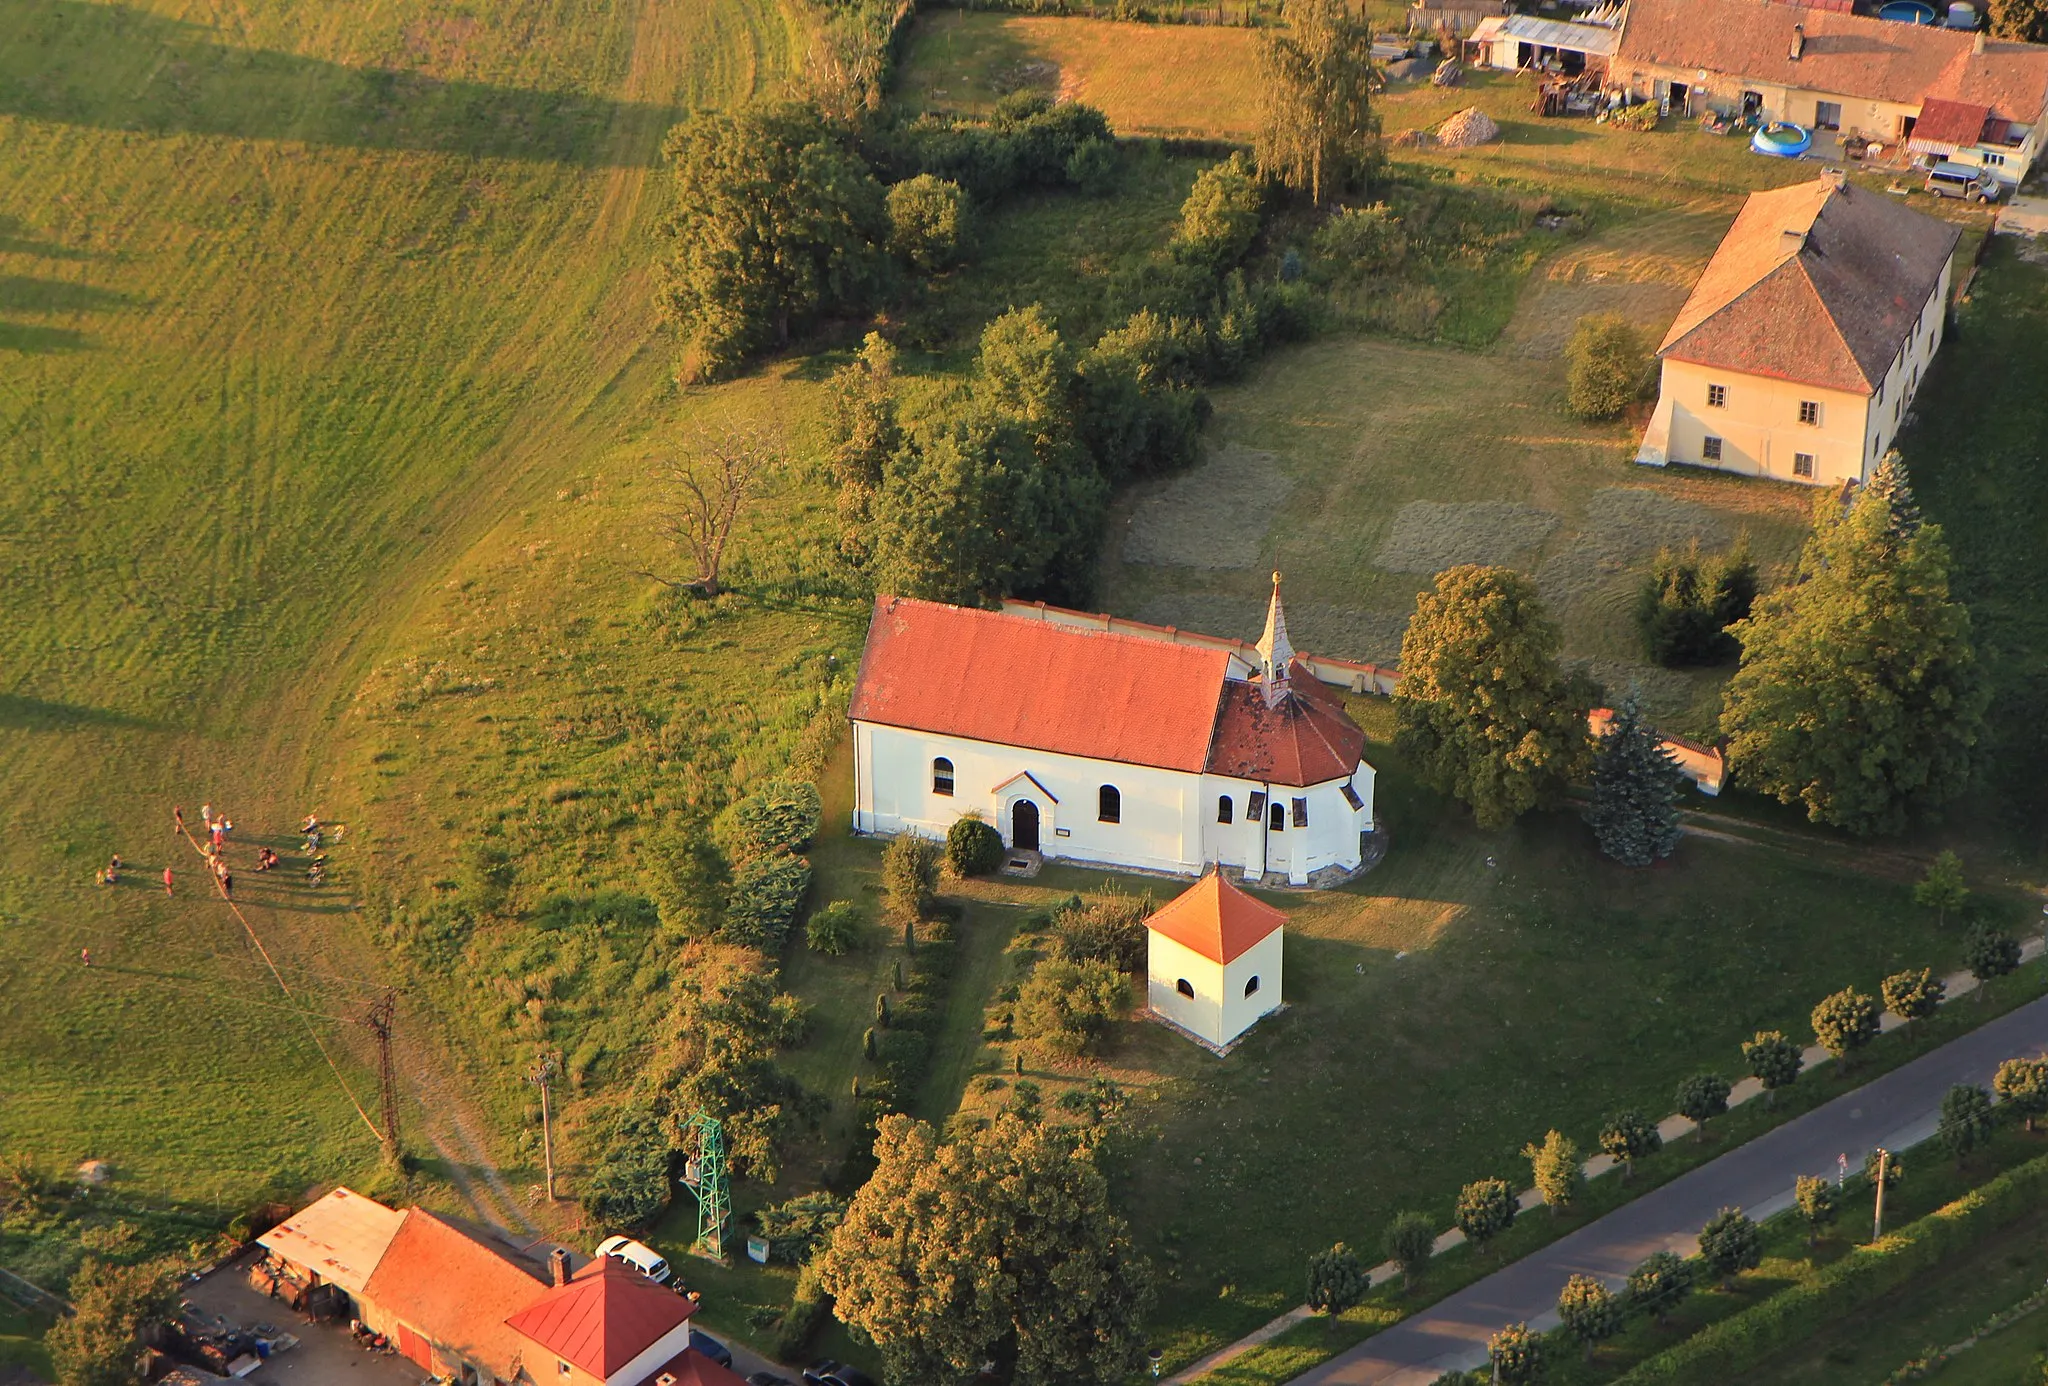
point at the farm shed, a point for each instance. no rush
(1516, 42)
(1453, 17)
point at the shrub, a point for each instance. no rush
(1774, 1060)
(1627, 1137)
(1335, 1280)
(1989, 954)
(809, 1306)
(1703, 1097)
(1555, 1168)
(1589, 1311)
(1942, 889)
(927, 221)
(1516, 1356)
(835, 929)
(910, 876)
(119, 1308)
(1111, 930)
(1731, 1349)
(1819, 1201)
(765, 896)
(1656, 1286)
(973, 848)
(2023, 1085)
(796, 1228)
(1894, 1169)
(1363, 240)
(1688, 601)
(1730, 1244)
(1092, 167)
(1640, 118)
(629, 1186)
(1066, 1008)
(1409, 1243)
(1967, 1119)
(1221, 215)
(1486, 1208)
(1845, 1022)
(780, 816)
(1912, 995)
(1608, 367)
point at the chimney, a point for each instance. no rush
(1791, 241)
(1798, 41)
(558, 1266)
(1978, 44)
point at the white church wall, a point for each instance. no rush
(1167, 964)
(1159, 810)
(1262, 960)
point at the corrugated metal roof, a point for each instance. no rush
(1596, 39)
(340, 1238)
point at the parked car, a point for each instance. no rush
(1970, 183)
(826, 1372)
(641, 1258)
(710, 1347)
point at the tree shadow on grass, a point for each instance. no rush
(14, 240)
(21, 293)
(33, 339)
(118, 68)
(19, 712)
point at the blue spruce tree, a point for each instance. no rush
(1634, 813)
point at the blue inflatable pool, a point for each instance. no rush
(1907, 11)
(1782, 141)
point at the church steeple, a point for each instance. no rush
(1276, 652)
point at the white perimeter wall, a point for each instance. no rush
(1167, 820)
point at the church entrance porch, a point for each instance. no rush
(1024, 826)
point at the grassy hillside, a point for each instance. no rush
(296, 302)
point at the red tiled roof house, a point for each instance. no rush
(1212, 963)
(1983, 101)
(1803, 342)
(1107, 747)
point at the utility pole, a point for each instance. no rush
(1883, 1159)
(541, 1075)
(380, 1020)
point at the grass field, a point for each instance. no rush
(296, 304)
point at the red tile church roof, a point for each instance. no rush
(606, 1315)
(985, 676)
(1307, 739)
(1216, 919)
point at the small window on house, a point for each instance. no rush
(1223, 808)
(1995, 160)
(1185, 988)
(1109, 805)
(1802, 464)
(561, 1368)
(1717, 396)
(1710, 449)
(1351, 796)
(1809, 411)
(1255, 805)
(1251, 986)
(1301, 813)
(1277, 819)
(942, 776)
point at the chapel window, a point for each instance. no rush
(942, 777)
(1223, 813)
(1109, 805)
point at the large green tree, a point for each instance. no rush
(116, 1305)
(2025, 20)
(997, 1245)
(1318, 133)
(1483, 708)
(776, 220)
(1858, 695)
(1636, 784)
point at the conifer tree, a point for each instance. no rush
(1634, 813)
(1858, 695)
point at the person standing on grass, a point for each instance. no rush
(85, 956)
(206, 816)
(227, 882)
(167, 880)
(178, 820)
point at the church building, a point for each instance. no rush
(1092, 746)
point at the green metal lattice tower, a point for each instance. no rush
(704, 1173)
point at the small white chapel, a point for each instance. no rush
(1212, 963)
(1093, 745)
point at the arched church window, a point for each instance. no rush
(1185, 988)
(1251, 986)
(942, 776)
(1223, 808)
(1277, 818)
(1109, 805)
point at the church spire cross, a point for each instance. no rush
(1276, 652)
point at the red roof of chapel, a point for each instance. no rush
(1216, 919)
(606, 1315)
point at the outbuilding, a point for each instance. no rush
(1213, 961)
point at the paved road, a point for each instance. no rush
(1894, 1111)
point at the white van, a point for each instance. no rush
(641, 1258)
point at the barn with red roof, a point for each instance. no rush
(1124, 747)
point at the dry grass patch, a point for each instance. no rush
(1430, 536)
(1215, 516)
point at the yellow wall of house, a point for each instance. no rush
(1878, 120)
(1759, 425)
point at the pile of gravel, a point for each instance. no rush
(1468, 127)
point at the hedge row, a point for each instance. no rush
(1730, 1349)
(766, 894)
